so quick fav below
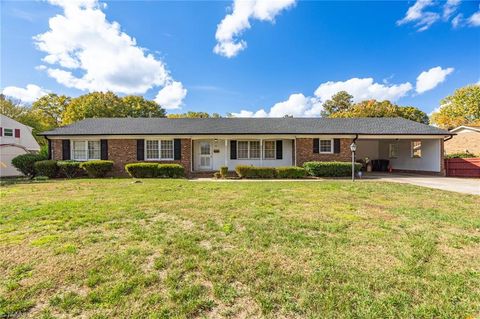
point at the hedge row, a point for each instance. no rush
(244, 171)
(331, 169)
(149, 170)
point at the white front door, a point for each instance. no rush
(205, 156)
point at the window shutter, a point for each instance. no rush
(336, 145)
(65, 150)
(1, 131)
(279, 149)
(233, 149)
(104, 149)
(316, 145)
(49, 149)
(140, 150)
(17, 133)
(177, 149)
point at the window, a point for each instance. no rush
(159, 149)
(326, 146)
(248, 150)
(269, 150)
(85, 150)
(417, 149)
(8, 132)
(393, 150)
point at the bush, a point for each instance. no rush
(25, 163)
(330, 169)
(47, 168)
(170, 170)
(245, 171)
(97, 168)
(142, 170)
(461, 155)
(291, 172)
(224, 171)
(217, 175)
(69, 169)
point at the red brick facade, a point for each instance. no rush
(304, 150)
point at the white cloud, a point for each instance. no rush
(28, 95)
(428, 80)
(231, 27)
(171, 96)
(474, 19)
(416, 13)
(449, 8)
(457, 21)
(87, 52)
(300, 105)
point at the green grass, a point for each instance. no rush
(175, 248)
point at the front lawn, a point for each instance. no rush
(112, 248)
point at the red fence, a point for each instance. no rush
(463, 167)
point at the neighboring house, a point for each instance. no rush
(204, 145)
(15, 139)
(467, 139)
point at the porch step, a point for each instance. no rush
(204, 174)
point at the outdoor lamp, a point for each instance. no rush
(353, 147)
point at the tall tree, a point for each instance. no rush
(138, 106)
(460, 108)
(50, 109)
(339, 102)
(191, 114)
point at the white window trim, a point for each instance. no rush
(249, 156)
(159, 149)
(390, 150)
(274, 150)
(11, 129)
(86, 150)
(412, 150)
(320, 145)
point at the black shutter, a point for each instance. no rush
(177, 149)
(104, 149)
(336, 145)
(140, 150)
(49, 149)
(233, 149)
(316, 145)
(65, 150)
(279, 149)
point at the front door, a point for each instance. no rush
(205, 156)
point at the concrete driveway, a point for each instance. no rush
(453, 184)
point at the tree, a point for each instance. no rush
(99, 104)
(191, 114)
(460, 108)
(50, 109)
(10, 108)
(412, 113)
(339, 102)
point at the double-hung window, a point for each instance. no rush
(159, 149)
(8, 132)
(326, 146)
(248, 150)
(393, 150)
(269, 150)
(85, 150)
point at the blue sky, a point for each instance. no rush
(272, 58)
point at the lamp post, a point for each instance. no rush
(353, 148)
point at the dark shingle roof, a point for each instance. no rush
(212, 126)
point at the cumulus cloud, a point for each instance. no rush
(87, 52)
(428, 80)
(474, 19)
(29, 94)
(417, 14)
(299, 105)
(233, 24)
(171, 96)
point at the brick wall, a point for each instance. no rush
(304, 152)
(122, 152)
(462, 142)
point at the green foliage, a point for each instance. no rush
(69, 169)
(170, 170)
(291, 172)
(138, 106)
(460, 108)
(224, 171)
(217, 175)
(50, 109)
(97, 168)
(413, 114)
(25, 163)
(245, 171)
(341, 101)
(142, 170)
(330, 169)
(196, 115)
(461, 155)
(47, 168)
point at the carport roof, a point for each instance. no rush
(245, 126)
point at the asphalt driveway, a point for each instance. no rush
(460, 185)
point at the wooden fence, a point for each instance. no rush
(463, 167)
